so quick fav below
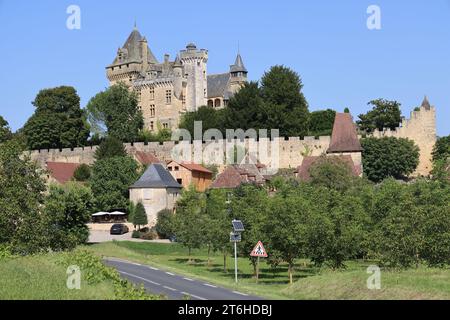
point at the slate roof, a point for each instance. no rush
(133, 48)
(238, 65)
(303, 171)
(61, 171)
(156, 176)
(344, 137)
(426, 104)
(217, 84)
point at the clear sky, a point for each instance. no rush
(342, 62)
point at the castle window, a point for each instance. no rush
(152, 110)
(210, 103)
(217, 103)
(183, 100)
(152, 93)
(168, 96)
(152, 126)
(204, 92)
(204, 75)
(165, 125)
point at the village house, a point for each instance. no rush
(190, 174)
(235, 175)
(156, 190)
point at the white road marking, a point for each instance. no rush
(136, 264)
(140, 278)
(193, 296)
(242, 294)
(170, 274)
(153, 268)
(169, 288)
(188, 279)
(209, 285)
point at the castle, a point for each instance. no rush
(169, 89)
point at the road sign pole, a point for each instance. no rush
(235, 262)
(257, 269)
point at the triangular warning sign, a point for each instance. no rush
(259, 251)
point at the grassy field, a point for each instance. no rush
(311, 282)
(42, 278)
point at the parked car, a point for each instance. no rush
(119, 229)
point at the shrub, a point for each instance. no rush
(140, 216)
(150, 235)
(164, 226)
(136, 234)
(82, 173)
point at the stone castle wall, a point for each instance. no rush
(421, 128)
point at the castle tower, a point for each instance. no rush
(238, 75)
(195, 70)
(131, 60)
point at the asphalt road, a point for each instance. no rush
(175, 287)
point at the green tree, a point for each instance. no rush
(21, 199)
(332, 173)
(285, 104)
(287, 228)
(5, 131)
(389, 157)
(190, 220)
(67, 210)
(140, 216)
(245, 109)
(385, 114)
(82, 173)
(441, 150)
(164, 225)
(321, 122)
(109, 148)
(58, 121)
(211, 119)
(218, 231)
(115, 111)
(110, 182)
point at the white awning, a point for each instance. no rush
(117, 213)
(100, 214)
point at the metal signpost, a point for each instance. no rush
(235, 236)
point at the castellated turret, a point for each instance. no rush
(421, 128)
(195, 70)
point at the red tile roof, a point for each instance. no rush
(230, 178)
(303, 171)
(61, 171)
(146, 158)
(195, 167)
(344, 137)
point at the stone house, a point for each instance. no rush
(157, 190)
(188, 174)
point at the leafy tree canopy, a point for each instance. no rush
(110, 182)
(385, 114)
(321, 122)
(389, 157)
(109, 148)
(5, 131)
(58, 121)
(140, 216)
(82, 173)
(115, 112)
(441, 149)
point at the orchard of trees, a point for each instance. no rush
(398, 225)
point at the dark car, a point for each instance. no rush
(119, 229)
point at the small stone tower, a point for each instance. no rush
(194, 62)
(238, 75)
(420, 128)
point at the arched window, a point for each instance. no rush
(217, 103)
(210, 103)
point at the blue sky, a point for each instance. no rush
(341, 62)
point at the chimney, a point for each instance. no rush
(166, 58)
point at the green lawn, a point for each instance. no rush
(42, 278)
(311, 282)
